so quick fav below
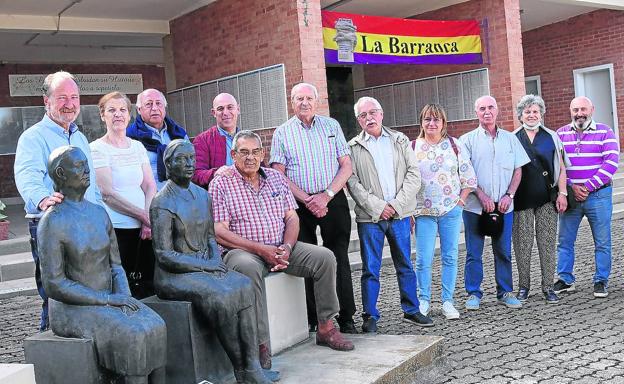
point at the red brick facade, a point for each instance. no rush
(555, 50)
(228, 37)
(153, 77)
(502, 53)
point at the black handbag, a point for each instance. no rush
(491, 224)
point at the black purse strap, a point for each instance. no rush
(539, 164)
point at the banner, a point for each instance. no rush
(360, 39)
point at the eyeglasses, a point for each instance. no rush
(254, 152)
(371, 113)
(428, 120)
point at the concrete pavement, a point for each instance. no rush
(579, 340)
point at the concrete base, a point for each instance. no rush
(379, 359)
(61, 360)
(286, 306)
(17, 374)
(194, 352)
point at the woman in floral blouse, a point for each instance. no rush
(447, 179)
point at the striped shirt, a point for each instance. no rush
(255, 215)
(594, 154)
(310, 155)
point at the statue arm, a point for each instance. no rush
(56, 284)
(162, 239)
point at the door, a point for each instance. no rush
(597, 83)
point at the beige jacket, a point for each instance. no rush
(364, 185)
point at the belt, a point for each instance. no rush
(602, 187)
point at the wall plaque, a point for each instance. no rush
(90, 84)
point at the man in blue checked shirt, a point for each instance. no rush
(312, 152)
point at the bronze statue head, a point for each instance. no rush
(69, 169)
(179, 158)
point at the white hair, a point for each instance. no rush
(139, 103)
(53, 79)
(364, 99)
(295, 89)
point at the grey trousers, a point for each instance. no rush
(306, 260)
(529, 224)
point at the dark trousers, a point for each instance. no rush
(336, 233)
(32, 228)
(137, 259)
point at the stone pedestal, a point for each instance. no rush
(17, 374)
(286, 306)
(61, 360)
(194, 352)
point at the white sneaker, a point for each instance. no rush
(423, 307)
(449, 311)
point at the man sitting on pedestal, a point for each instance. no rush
(257, 225)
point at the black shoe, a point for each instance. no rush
(551, 297)
(347, 326)
(561, 286)
(523, 294)
(418, 319)
(369, 325)
(600, 289)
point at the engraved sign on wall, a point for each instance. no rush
(90, 84)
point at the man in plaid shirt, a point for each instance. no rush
(257, 226)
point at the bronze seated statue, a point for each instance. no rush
(189, 265)
(86, 284)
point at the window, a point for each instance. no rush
(533, 85)
(456, 92)
(261, 94)
(15, 120)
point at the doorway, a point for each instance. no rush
(598, 84)
(340, 98)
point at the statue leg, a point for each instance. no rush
(135, 380)
(158, 376)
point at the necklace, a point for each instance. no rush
(433, 144)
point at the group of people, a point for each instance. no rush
(266, 211)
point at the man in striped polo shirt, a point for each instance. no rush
(312, 152)
(594, 154)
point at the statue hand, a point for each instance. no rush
(215, 266)
(122, 301)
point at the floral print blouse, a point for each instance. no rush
(443, 175)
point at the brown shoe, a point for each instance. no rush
(264, 355)
(334, 340)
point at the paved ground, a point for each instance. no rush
(579, 340)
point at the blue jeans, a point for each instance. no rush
(501, 247)
(448, 227)
(597, 208)
(371, 245)
(32, 228)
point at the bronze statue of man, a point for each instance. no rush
(189, 265)
(86, 284)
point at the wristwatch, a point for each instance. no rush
(510, 195)
(330, 193)
(564, 193)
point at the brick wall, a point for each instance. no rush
(555, 50)
(229, 37)
(502, 54)
(153, 77)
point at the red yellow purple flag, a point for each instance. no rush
(360, 39)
